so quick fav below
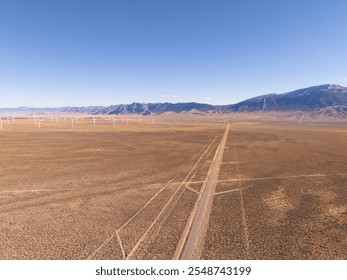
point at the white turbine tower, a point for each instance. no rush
(0, 123)
(8, 120)
(152, 120)
(114, 122)
(127, 121)
(39, 122)
(94, 120)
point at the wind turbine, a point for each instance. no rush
(94, 120)
(0, 123)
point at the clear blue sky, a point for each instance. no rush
(102, 52)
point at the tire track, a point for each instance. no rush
(143, 208)
(183, 183)
(279, 177)
(242, 205)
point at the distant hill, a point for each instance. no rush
(28, 110)
(307, 99)
(134, 108)
(157, 108)
(324, 100)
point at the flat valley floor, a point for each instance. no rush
(118, 191)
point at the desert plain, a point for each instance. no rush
(72, 189)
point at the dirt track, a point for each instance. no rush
(197, 230)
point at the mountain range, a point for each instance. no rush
(311, 98)
(321, 98)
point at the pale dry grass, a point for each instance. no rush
(104, 191)
(65, 190)
(294, 182)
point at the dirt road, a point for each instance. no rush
(193, 245)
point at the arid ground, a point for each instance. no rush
(72, 190)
